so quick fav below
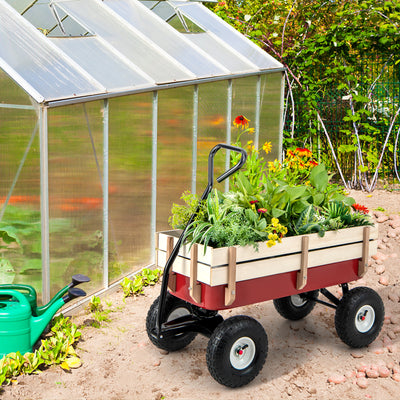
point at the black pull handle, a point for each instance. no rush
(226, 174)
(77, 279)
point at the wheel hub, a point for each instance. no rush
(365, 318)
(242, 353)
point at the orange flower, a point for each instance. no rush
(360, 208)
(262, 210)
(313, 163)
(241, 122)
(303, 152)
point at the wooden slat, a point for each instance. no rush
(363, 263)
(195, 287)
(230, 290)
(172, 275)
(302, 274)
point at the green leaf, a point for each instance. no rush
(319, 177)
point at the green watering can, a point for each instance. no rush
(19, 329)
(30, 293)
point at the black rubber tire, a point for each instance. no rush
(359, 317)
(225, 340)
(289, 310)
(169, 343)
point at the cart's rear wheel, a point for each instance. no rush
(236, 351)
(359, 317)
(297, 306)
(174, 308)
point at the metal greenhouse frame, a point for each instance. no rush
(70, 52)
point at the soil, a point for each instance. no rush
(306, 359)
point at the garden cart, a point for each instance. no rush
(198, 282)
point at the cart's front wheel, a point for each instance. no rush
(359, 317)
(174, 308)
(297, 306)
(236, 351)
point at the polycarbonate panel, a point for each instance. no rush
(42, 70)
(142, 52)
(130, 162)
(212, 23)
(212, 130)
(221, 53)
(75, 145)
(270, 121)
(10, 92)
(19, 144)
(170, 40)
(164, 10)
(20, 5)
(96, 58)
(174, 150)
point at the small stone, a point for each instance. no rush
(383, 372)
(378, 262)
(163, 352)
(392, 335)
(360, 375)
(383, 280)
(156, 363)
(372, 373)
(395, 319)
(396, 377)
(396, 369)
(312, 391)
(393, 297)
(392, 348)
(362, 383)
(382, 218)
(380, 269)
(362, 367)
(350, 374)
(385, 240)
(387, 319)
(382, 246)
(387, 341)
(357, 354)
(396, 329)
(390, 365)
(337, 379)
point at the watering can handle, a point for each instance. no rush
(14, 293)
(20, 287)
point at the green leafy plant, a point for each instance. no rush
(58, 348)
(135, 286)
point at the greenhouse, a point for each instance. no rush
(108, 110)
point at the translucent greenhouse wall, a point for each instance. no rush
(19, 186)
(143, 150)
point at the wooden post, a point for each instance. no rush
(195, 287)
(230, 291)
(302, 274)
(172, 275)
(363, 263)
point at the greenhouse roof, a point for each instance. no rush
(64, 51)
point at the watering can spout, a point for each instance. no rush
(38, 324)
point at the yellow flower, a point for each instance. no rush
(250, 131)
(267, 147)
(270, 243)
(275, 222)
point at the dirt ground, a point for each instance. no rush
(304, 361)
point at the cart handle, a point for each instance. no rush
(226, 174)
(164, 284)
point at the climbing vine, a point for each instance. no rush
(329, 49)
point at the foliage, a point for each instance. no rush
(58, 348)
(291, 197)
(326, 48)
(135, 286)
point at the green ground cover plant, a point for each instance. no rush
(57, 348)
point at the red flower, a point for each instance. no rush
(262, 210)
(360, 208)
(241, 121)
(253, 201)
(313, 163)
(303, 152)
